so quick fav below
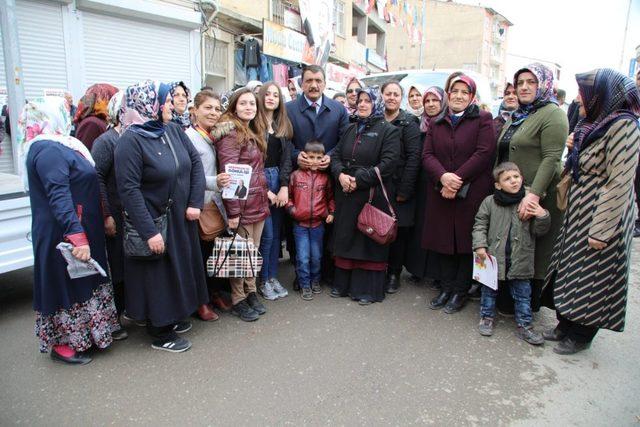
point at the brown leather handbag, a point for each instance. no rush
(562, 195)
(211, 223)
(376, 223)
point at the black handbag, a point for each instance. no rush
(135, 246)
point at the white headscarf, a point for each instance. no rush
(46, 119)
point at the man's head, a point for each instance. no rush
(561, 96)
(315, 153)
(507, 177)
(340, 97)
(313, 82)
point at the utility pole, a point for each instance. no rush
(13, 73)
(624, 39)
(424, 29)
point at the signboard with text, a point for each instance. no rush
(283, 42)
(374, 58)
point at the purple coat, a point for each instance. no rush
(467, 150)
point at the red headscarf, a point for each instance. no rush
(471, 84)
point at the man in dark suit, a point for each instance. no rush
(241, 190)
(315, 117)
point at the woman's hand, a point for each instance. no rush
(451, 181)
(448, 194)
(109, 226)
(596, 244)
(192, 214)
(272, 197)
(534, 209)
(569, 142)
(524, 205)
(234, 223)
(347, 182)
(223, 180)
(156, 244)
(83, 253)
(282, 197)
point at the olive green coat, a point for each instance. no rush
(536, 147)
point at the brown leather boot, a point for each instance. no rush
(206, 313)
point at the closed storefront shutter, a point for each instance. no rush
(41, 38)
(123, 52)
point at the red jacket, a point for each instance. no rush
(256, 207)
(310, 197)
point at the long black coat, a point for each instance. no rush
(377, 145)
(405, 177)
(170, 288)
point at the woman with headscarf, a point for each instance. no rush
(294, 88)
(405, 178)
(71, 314)
(158, 170)
(369, 142)
(435, 107)
(589, 269)
(181, 96)
(254, 86)
(534, 139)
(353, 87)
(103, 152)
(92, 115)
(458, 156)
(414, 101)
(508, 106)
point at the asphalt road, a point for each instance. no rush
(325, 362)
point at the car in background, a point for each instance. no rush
(427, 78)
(15, 224)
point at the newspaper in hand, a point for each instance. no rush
(238, 188)
(77, 268)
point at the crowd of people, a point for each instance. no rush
(460, 185)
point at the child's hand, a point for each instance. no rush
(482, 253)
(534, 209)
(329, 219)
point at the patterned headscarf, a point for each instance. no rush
(377, 110)
(95, 102)
(184, 119)
(296, 83)
(438, 93)
(141, 108)
(544, 94)
(607, 96)
(224, 100)
(115, 108)
(417, 112)
(46, 119)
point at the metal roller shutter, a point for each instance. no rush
(123, 52)
(42, 51)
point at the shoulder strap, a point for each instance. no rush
(175, 175)
(384, 192)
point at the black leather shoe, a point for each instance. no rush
(554, 334)
(568, 346)
(455, 304)
(77, 359)
(440, 301)
(365, 301)
(393, 283)
(336, 294)
(255, 304)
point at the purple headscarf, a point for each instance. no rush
(425, 120)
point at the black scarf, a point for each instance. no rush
(502, 198)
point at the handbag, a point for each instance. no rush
(234, 257)
(562, 194)
(375, 223)
(134, 245)
(211, 223)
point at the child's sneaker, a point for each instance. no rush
(529, 335)
(278, 288)
(267, 291)
(316, 288)
(486, 326)
(307, 294)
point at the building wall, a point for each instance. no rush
(255, 9)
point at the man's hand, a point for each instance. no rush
(192, 214)
(324, 163)
(303, 160)
(109, 226)
(156, 244)
(83, 253)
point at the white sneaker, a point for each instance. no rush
(267, 291)
(278, 288)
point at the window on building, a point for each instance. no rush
(338, 12)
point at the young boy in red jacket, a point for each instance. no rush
(310, 204)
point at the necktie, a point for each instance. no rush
(314, 105)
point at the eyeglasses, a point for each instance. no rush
(356, 90)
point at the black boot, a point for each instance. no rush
(440, 301)
(456, 303)
(569, 346)
(393, 283)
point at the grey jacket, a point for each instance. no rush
(490, 229)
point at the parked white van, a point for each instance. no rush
(15, 224)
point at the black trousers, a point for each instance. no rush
(398, 250)
(579, 333)
(118, 297)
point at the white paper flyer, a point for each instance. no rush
(486, 271)
(240, 178)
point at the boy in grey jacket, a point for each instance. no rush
(499, 231)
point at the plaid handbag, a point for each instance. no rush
(234, 256)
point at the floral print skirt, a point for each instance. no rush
(81, 326)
